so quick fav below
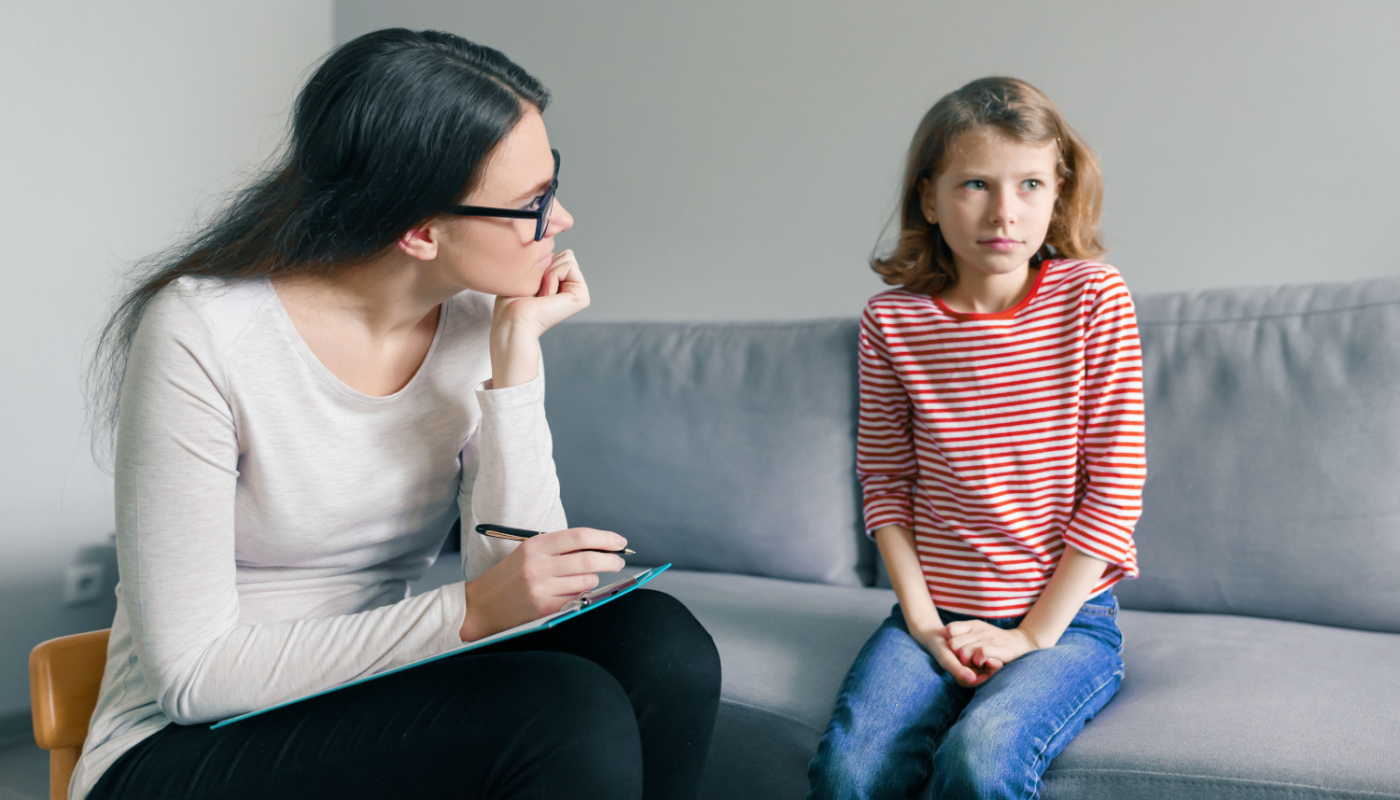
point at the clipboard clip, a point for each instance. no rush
(601, 593)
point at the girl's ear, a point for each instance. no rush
(926, 204)
(421, 242)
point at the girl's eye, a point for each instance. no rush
(1030, 184)
(975, 185)
(535, 204)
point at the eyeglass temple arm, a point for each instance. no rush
(485, 211)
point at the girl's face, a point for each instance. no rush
(993, 201)
(498, 255)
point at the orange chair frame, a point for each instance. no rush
(65, 675)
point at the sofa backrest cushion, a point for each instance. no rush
(1273, 454)
(725, 447)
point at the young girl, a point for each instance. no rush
(1001, 455)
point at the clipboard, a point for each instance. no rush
(586, 602)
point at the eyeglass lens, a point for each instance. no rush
(542, 224)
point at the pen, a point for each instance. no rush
(520, 535)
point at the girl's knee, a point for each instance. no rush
(865, 760)
(984, 759)
(844, 773)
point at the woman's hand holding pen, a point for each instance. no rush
(542, 574)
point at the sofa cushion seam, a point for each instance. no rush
(771, 713)
(1112, 773)
(1142, 323)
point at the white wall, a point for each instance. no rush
(734, 159)
(117, 122)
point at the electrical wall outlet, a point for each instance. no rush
(82, 583)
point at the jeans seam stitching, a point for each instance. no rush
(1039, 756)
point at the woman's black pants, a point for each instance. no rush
(617, 703)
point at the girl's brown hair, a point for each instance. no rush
(921, 260)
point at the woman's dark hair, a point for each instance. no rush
(392, 127)
(920, 259)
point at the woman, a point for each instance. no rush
(305, 398)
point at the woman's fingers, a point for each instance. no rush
(586, 563)
(563, 266)
(553, 278)
(571, 586)
(570, 279)
(539, 577)
(562, 294)
(573, 539)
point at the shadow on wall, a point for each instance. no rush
(32, 610)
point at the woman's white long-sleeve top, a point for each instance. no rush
(269, 517)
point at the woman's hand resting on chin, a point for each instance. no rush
(517, 323)
(542, 574)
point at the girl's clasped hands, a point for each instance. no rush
(972, 650)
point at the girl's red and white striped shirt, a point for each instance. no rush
(1000, 438)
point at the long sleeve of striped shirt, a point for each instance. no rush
(1112, 436)
(999, 439)
(885, 439)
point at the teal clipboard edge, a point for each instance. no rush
(642, 579)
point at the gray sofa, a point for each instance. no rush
(1262, 642)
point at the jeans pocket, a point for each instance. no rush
(1105, 612)
(1100, 619)
(1100, 622)
(1103, 604)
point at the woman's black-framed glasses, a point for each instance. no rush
(540, 214)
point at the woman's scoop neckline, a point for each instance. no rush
(330, 378)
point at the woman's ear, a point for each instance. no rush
(925, 189)
(421, 242)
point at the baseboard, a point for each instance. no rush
(16, 727)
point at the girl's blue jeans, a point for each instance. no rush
(896, 701)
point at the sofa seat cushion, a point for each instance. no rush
(1211, 705)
